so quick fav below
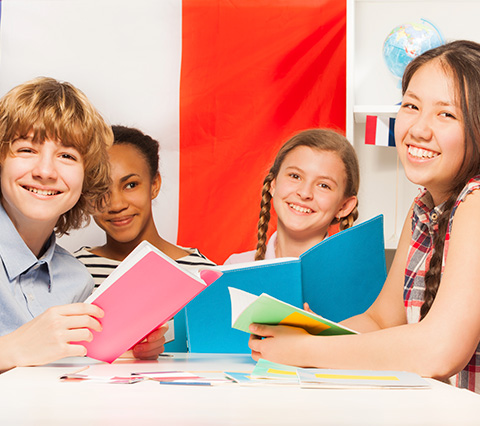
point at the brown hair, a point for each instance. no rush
(460, 60)
(145, 144)
(60, 112)
(321, 140)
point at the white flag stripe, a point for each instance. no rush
(383, 131)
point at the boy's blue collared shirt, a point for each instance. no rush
(29, 286)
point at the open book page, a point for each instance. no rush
(256, 263)
(241, 300)
(265, 309)
(143, 249)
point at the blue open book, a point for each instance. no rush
(339, 277)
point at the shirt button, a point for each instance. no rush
(434, 216)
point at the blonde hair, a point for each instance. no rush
(45, 108)
(321, 140)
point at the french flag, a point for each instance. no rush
(221, 84)
(380, 131)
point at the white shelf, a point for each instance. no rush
(360, 112)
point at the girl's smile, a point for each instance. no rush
(308, 193)
(121, 221)
(421, 153)
(300, 209)
(429, 131)
(128, 214)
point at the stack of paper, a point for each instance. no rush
(266, 372)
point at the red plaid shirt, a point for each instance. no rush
(424, 226)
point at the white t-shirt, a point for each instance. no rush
(249, 256)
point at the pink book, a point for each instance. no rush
(142, 293)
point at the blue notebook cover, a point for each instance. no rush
(343, 274)
(209, 316)
(339, 277)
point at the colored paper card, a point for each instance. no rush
(246, 379)
(316, 377)
(272, 370)
(143, 292)
(180, 378)
(264, 309)
(380, 131)
(242, 378)
(128, 380)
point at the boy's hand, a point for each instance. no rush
(49, 336)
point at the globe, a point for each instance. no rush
(406, 42)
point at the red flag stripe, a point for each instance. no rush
(371, 130)
(252, 75)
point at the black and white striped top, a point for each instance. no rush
(101, 267)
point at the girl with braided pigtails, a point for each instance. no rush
(312, 184)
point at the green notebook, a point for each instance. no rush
(264, 309)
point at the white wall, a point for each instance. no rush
(125, 55)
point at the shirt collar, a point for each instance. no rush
(272, 242)
(426, 211)
(15, 254)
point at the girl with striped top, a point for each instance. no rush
(127, 216)
(427, 316)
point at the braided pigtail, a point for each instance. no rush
(434, 273)
(347, 221)
(264, 217)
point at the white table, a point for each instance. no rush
(35, 395)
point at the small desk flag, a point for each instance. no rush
(380, 131)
